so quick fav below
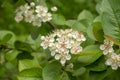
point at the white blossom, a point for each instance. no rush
(54, 8)
(35, 14)
(46, 17)
(32, 4)
(18, 18)
(48, 41)
(41, 10)
(29, 17)
(113, 60)
(37, 21)
(76, 49)
(107, 47)
(61, 43)
(23, 8)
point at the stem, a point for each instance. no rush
(51, 25)
(28, 1)
(5, 47)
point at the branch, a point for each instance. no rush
(5, 47)
(51, 25)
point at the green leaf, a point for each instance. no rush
(24, 55)
(35, 33)
(98, 31)
(45, 29)
(78, 26)
(27, 64)
(6, 38)
(111, 18)
(52, 71)
(64, 76)
(113, 75)
(90, 33)
(40, 2)
(98, 65)
(58, 19)
(95, 32)
(101, 75)
(11, 55)
(79, 71)
(2, 70)
(35, 43)
(19, 2)
(90, 54)
(30, 74)
(22, 46)
(70, 22)
(85, 15)
(85, 76)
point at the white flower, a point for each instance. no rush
(54, 8)
(46, 17)
(32, 4)
(23, 9)
(63, 61)
(79, 36)
(47, 42)
(41, 10)
(33, 14)
(113, 61)
(37, 21)
(107, 47)
(61, 43)
(18, 17)
(52, 53)
(62, 57)
(76, 49)
(29, 17)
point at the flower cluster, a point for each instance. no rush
(113, 59)
(62, 43)
(35, 14)
(107, 47)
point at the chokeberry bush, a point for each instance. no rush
(59, 39)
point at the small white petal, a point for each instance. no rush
(54, 8)
(118, 57)
(63, 61)
(51, 40)
(52, 53)
(42, 37)
(68, 57)
(83, 38)
(105, 52)
(114, 66)
(44, 47)
(109, 62)
(18, 18)
(32, 4)
(102, 47)
(57, 56)
(111, 49)
(106, 41)
(118, 63)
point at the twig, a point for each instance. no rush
(51, 25)
(5, 47)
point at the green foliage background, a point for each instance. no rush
(22, 57)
